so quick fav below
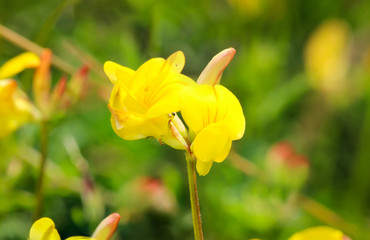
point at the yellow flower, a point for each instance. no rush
(15, 108)
(326, 56)
(319, 233)
(142, 102)
(213, 114)
(44, 229)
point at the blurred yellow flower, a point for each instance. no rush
(15, 108)
(319, 233)
(326, 56)
(142, 102)
(249, 7)
(44, 229)
(213, 114)
(18, 64)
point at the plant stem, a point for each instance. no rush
(28, 45)
(40, 180)
(194, 200)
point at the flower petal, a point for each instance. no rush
(18, 64)
(15, 108)
(167, 99)
(318, 233)
(81, 238)
(198, 106)
(203, 167)
(146, 77)
(176, 61)
(117, 73)
(44, 229)
(230, 110)
(212, 143)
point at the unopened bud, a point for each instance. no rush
(57, 95)
(41, 83)
(285, 167)
(212, 73)
(78, 84)
(107, 227)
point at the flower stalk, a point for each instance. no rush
(194, 199)
(40, 180)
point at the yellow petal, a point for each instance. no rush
(15, 108)
(81, 238)
(166, 99)
(203, 167)
(44, 229)
(18, 64)
(176, 61)
(198, 106)
(318, 233)
(230, 110)
(7, 88)
(116, 72)
(212, 143)
(147, 77)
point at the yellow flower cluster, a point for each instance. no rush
(144, 104)
(16, 109)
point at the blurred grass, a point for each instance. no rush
(268, 75)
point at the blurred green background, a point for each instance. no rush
(301, 73)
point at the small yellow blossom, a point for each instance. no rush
(319, 233)
(15, 108)
(44, 229)
(213, 114)
(142, 102)
(18, 64)
(327, 56)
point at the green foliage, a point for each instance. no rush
(99, 172)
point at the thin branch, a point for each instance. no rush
(28, 45)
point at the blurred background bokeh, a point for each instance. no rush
(301, 72)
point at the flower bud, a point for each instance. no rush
(41, 83)
(57, 95)
(212, 73)
(285, 167)
(77, 85)
(107, 227)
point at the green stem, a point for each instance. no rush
(194, 200)
(40, 180)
